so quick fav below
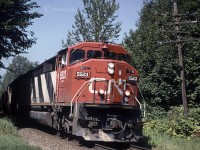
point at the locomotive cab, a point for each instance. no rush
(103, 68)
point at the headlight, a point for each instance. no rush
(101, 91)
(111, 65)
(127, 93)
(111, 68)
(110, 71)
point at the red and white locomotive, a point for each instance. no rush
(87, 90)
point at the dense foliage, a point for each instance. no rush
(15, 17)
(174, 124)
(96, 22)
(158, 64)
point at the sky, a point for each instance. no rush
(58, 18)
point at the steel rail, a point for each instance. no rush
(104, 147)
(139, 147)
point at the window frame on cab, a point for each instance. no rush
(85, 54)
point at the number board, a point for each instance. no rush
(82, 74)
(132, 78)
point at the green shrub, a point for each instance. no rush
(174, 124)
(195, 113)
(6, 127)
(155, 113)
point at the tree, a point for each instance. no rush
(95, 23)
(15, 17)
(158, 64)
(19, 65)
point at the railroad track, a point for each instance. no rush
(46, 132)
(99, 146)
(139, 147)
(116, 146)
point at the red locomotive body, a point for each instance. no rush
(87, 90)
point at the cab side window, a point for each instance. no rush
(63, 59)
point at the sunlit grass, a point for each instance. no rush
(9, 139)
(164, 142)
(10, 142)
(6, 127)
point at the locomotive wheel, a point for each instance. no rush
(62, 133)
(90, 144)
(70, 137)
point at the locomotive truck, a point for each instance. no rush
(88, 90)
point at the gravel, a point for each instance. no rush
(46, 138)
(47, 141)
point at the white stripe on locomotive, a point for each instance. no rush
(48, 88)
(45, 89)
(37, 100)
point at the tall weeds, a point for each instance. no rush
(9, 139)
(7, 128)
(173, 131)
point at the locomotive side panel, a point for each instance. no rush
(43, 88)
(43, 83)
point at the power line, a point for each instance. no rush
(179, 41)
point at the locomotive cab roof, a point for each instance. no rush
(100, 46)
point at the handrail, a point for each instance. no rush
(76, 95)
(144, 106)
(136, 97)
(118, 89)
(138, 102)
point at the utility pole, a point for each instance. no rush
(180, 55)
(179, 41)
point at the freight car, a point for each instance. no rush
(88, 90)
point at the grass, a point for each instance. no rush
(10, 142)
(9, 139)
(7, 128)
(164, 142)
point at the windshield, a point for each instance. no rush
(109, 55)
(114, 56)
(76, 55)
(123, 57)
(94, 54)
